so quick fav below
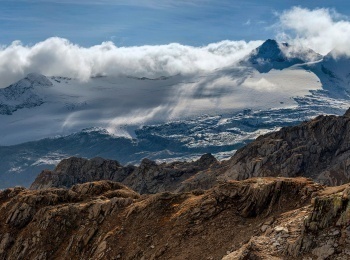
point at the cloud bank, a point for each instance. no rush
(322, 30)
(59, 57)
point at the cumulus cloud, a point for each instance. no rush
(322, 29)
(59, 57)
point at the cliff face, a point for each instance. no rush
(318, 149)
(319, 230)
(149, 177)
(262, 218)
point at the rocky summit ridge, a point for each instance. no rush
(259, 218)
(148, 177)
(317, 149)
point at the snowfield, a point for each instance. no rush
(66, 105)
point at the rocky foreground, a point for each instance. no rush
(260, 218)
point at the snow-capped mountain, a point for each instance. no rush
(23, 94)
(273, 55)
(127, 118)
(335, 68)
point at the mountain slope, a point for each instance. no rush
(23, 94)
(317, 149)
(261, 218)
(334, 74)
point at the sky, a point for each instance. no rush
(152, 38)
(147, 22)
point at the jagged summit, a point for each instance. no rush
(148, 177)
(269, 50)
(275, 55)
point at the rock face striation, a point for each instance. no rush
(260, 218)
(148, 177)
(317, 149)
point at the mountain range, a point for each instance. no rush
(45, 119)
(278, 189)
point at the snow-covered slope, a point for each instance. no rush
(121, 103)
(26, 93)
(167, 118)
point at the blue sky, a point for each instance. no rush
(141, 22)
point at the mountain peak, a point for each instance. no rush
(269, 43)
(275, 55)
(37, 79)
(269, 51)
(22, 94)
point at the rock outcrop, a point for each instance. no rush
(261, 218)
(317, 149)
(148, 177)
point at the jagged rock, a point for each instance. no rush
(103, 220)
(318, 149)
(149, 177)
(5, 243)
(323, 252)
(78, 170)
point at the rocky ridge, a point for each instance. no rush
(317, 149)
(148, 177)
(260, 218)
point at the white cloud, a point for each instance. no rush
(320, 29)
(59, 57)
(261, 84)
